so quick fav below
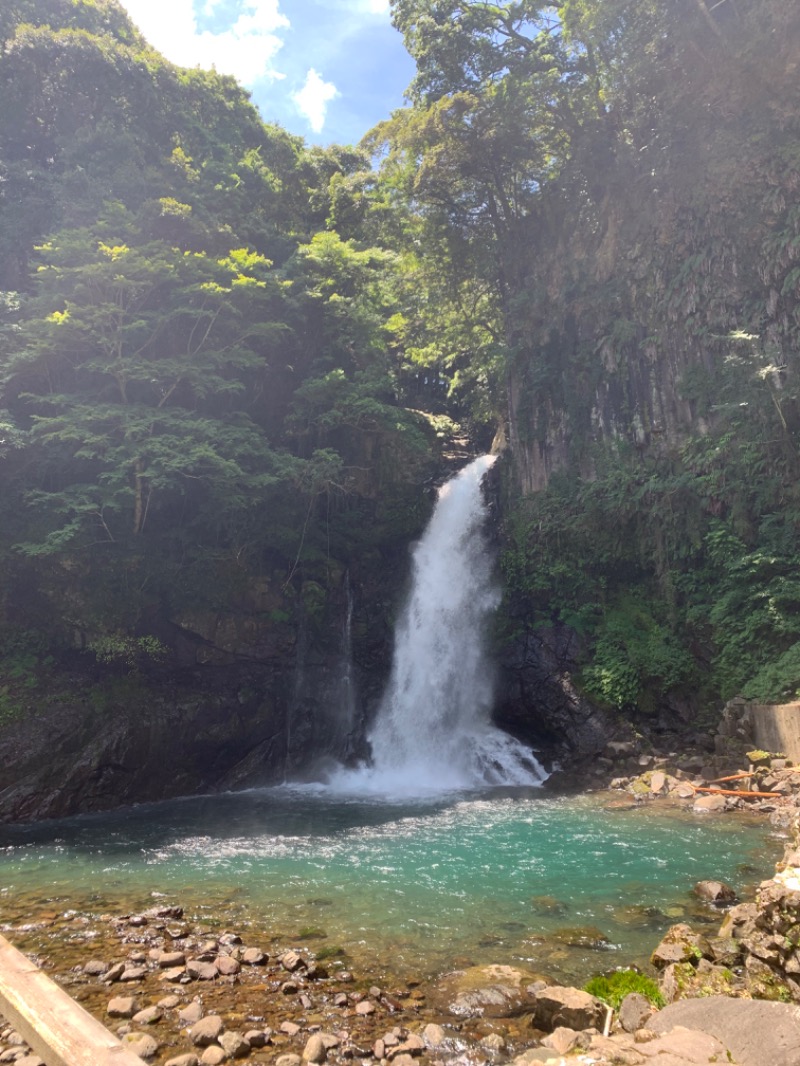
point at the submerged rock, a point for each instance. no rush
(491, 991)
(586, 936)
(434, 1035)
(716, 892)
(549, 906)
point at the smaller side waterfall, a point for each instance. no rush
(346, 702)
(433, 729)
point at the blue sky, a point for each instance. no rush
(327, 70)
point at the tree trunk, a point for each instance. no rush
(139, 487)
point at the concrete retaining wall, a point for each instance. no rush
(776, 728)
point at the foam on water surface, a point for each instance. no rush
(405, 887)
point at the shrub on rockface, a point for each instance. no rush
(613, 987)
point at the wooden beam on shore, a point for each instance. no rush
(58, 1029)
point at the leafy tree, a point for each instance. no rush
(126, 373)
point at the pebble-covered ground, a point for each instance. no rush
(171, 988)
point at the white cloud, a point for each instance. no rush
(245, 49)
(353, 10)
(313, 99)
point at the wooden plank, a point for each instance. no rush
(58, 1029)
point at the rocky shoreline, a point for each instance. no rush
(182, 994)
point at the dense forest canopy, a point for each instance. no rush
(195, 366)
(608, 196)
(224, 354)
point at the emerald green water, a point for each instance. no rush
(405, 888)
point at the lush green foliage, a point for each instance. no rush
(607, 198)
(613, 987)
(680, 571)
(199, 378)
(26, 662)
(216, 344)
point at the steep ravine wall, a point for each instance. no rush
(679, 249)
(240, 700)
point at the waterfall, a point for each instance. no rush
(433, 729)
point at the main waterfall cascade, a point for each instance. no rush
(433, 730)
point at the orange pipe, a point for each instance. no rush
(738, 792)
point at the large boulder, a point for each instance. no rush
(716, 892)
(705, 804)
(680, 944)
(634, 1011)
(755, 1033)
(557, 1005)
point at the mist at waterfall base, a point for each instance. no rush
(433, 731)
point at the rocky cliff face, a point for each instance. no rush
(680, 238)
(538, 702)
(244, 697)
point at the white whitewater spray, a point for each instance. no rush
(433, 729)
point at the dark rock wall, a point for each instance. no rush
(538, 702)
(241, 700)
(250, 695)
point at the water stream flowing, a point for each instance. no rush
(567, 886)
(433, 731)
